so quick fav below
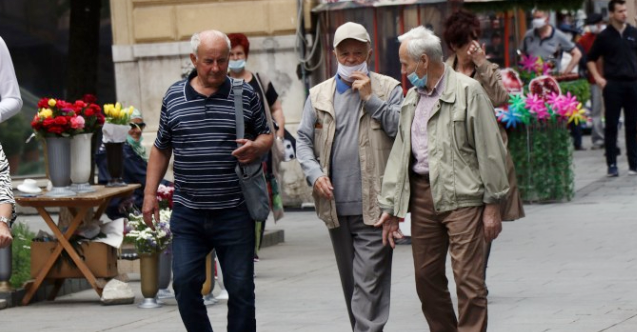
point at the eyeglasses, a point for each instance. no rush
(140, 125)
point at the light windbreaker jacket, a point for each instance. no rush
(314, 146)
(466, 153)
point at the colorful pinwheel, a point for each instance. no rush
(529, 63)
(577, 115)
(508, 118)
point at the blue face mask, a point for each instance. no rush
(237, 65)
(413, 78)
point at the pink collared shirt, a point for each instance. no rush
(419, 140)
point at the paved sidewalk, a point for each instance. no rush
(569, 267)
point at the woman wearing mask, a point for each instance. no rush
(240, 49)
(462, 31)
(10, 104)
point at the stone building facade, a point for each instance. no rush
(151, 51)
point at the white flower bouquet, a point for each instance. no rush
(147, 240)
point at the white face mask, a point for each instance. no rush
(345, 72)
(538, 23)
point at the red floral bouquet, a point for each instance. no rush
(165, 196)
(59, 118)
(91, 112)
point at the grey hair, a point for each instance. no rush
(195, 40)
(421, 40)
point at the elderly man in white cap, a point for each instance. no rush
(344, 139)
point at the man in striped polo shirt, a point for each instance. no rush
(197, 125)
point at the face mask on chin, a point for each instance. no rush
(345, 72)
(413, 78)
(538, 23)
(237, 65)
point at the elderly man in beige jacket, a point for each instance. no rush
(346, 132)
(447, 167)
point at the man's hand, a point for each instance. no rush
(362, 84)
(476, 53)
(150, 208)
(492, 221)
(248, 152)
(5, 235)
(601, 82)
(323, 187)
(391, 229)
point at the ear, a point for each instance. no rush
(425, 59)
(193, 59)
(369, 56)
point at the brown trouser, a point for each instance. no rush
(433, 234)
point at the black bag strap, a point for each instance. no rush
(237, 88)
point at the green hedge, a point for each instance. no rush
(543, 158)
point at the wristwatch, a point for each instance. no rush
(4, 220)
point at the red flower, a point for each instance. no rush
(36, 124)
(89, 112)
(48, 122)
(60, 121)
(89, 98)
(43, 103)
(55, 130)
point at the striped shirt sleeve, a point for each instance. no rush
(164, 133)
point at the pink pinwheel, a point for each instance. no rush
(568, 105)
(553, 99)
(546, 68)
(529, 63)
(535, 104)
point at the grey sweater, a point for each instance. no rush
(345, 174)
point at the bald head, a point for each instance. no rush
(210, 53)
(209, 38)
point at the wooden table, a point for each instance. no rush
(78, 206)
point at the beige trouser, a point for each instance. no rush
(433, 234)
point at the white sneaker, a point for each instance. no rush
(632, 172)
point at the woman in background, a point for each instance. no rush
(239, 51)
(462, 32)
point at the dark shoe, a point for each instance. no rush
(579, 148)
(612, 171)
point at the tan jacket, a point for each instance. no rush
(466, 153)
(488, 74)
(375, 146)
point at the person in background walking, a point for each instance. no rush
(462, 32)
(10, 105)
(347, 129)
(617, 47)
(595, 24)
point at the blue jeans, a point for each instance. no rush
(231, 233)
